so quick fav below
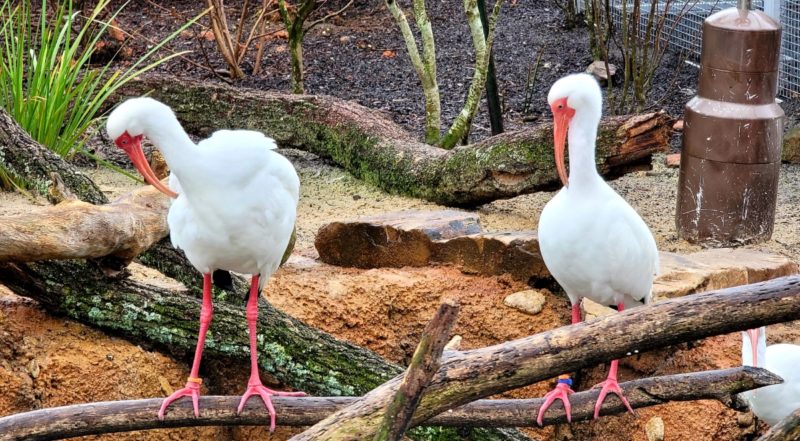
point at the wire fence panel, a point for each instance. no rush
(684, 26)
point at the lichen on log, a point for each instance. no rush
(380, 152)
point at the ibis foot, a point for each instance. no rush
(256, 388)
(610, 386)
(562, 391)
(192, 390)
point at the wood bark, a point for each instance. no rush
(470, 375)
(423, 366)
(120, 230)
(787, 429)
(424, 64)
(380, 152)
(121, 416)
(24, 157)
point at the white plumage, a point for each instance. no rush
(593, 242)
(234, 209)
(776, 402)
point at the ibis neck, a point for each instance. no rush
(179, 151)
(581, 142)
(761, 349)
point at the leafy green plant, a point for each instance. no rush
(46, 81)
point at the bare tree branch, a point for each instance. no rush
(120, 416)
(423, 366)
(787, 429)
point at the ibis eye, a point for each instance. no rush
(560, 106)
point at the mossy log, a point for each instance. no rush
(470, 375)
(294, 353)
(124, 416)
(23, 157)
(377, 150)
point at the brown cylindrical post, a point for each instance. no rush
(732, 132)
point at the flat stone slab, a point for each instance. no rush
(512, 252)
(395, 239)
(716, 269)
(420, 238)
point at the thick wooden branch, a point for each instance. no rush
(77, 230)
(378, 151)
(787, 429)
(121, 416)
(469, 375)
(423, 366)
(26, 158)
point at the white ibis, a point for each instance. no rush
(235, 211)
(594, 244)
(772, 403)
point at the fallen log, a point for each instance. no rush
(122, 229)
(380, 152)
(23, 157)
(470, 375)
(123, 416)
(787, 429)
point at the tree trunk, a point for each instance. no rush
(469, 375)
(378, 151)
(483, 48)
(123, 416)
(24, 157)
(296, 53)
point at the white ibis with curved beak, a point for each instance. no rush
(235, 210)
(594, 244)
(776, 402)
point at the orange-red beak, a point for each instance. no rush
(132, 145)
(753, 334)
(562, 115)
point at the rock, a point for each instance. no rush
(598, 70)
(515, 253)
(530, 301)
(745, 419)
(678, 126)
(791, 146)
(592, 309)
(674, 160)
(716, 269)
(396, 239)
(454, 344)
(655, 429)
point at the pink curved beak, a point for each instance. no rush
(562, 115)
(136, 153)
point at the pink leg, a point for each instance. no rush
(254, 386)
(563, 389)
(192, 388)
(611, 385)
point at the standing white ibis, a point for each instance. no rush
(594, 244)
(776, 402)
(234, 210)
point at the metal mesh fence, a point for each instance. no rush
(790, 49)
(684, 25)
